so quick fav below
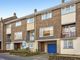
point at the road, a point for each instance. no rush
(12, 57)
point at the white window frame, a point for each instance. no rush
(30, 20)
(41, 30)
(32, 36)
(68, 44)
(18, 23)
(69, 30)
(69, 9)
(46, 16)
(66, 0)
(17, 35)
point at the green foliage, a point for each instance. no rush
(24, 52)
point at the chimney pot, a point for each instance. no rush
(35, 10)
(14, 14)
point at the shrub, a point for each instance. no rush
(24, 52)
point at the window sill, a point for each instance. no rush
(46, 19)
(68, 48)
(46, 36)
(69, 37)
(18, 40)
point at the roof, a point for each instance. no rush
(10, 18)
(46, 10)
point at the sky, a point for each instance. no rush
(24, 7)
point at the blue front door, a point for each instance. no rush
(52, 48)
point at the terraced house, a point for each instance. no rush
(54, 30)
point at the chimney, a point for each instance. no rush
(62, 1)
(14, 14)
(1, 19)
(35, 10)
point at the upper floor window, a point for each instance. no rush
(30, 20)
(46, 31)
(69, 31)
(18, 35)
(46, 16)
(67, 0)
(68, 9)
(18, 23)
(8, 38)
(32, 35)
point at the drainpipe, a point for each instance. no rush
(2, 36)
(35, 11)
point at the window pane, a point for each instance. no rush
(18, 35)
(32, 35)
(49, 15)
(65, 43)
(66, 0)
(46, 31)
(69, 31)
(18, 23)
(69, 9)
(46, 16)
(72, 8)
(31, 20)
(70, 43)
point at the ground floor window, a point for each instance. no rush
(8, 46)
(31, 45)
(68, 44)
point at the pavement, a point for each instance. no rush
(5, 56)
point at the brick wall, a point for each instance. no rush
(21, 28)
(78, 19)
(55, 22)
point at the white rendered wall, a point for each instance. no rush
(68, 18)
(9, 46)
(75, 50)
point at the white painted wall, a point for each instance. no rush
(46, 47)
(68, 18)
(34, 47)
(9, 46)
(30, 26)
(75, 50)
(8, 31)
